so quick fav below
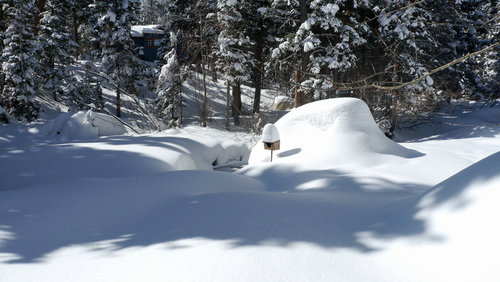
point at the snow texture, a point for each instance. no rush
(84, 125)
(270, 133)
(119, 208)
(331, 133)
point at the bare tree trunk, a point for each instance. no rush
(298, 93)
(76, 35)
(213, 68)
(236, 106)
(228, 104)
(180, 104)
(118, 103)
(202, 69)
(299, 71)
(204, 106)
(257, 72)
(2, 82)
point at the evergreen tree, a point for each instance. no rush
(154, 11)
(85, 93)
(19, 63)
(234, 56)
(78, 16)
(168, 102)
(3, 27)
(258, 28)
(193, 24)
(116, 45)
(56, 45)
(480, 28)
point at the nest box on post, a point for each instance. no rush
(271, 138)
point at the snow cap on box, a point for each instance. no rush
(270, 133)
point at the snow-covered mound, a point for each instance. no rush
(84, 125)
(450, 233)
(118, 156)
(329, 133)
(466, 203)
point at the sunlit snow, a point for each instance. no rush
(340, 202)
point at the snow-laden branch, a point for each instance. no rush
(358, 84)
(438, 69)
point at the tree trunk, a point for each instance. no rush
(180, 104)
(236, 106)
(40, 5)
(228, 104)
(75, 32)
(257, 73)
(213, 68)
(204, 106)
(118, 103)
(298, 94)
(302, 65)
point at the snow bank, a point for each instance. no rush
(84, 125)
(472, 189)
(448, 234)
(330, 133)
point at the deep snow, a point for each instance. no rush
(340, 203)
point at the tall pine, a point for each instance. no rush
(112, 26)
(234, 45)
(56, 46)
(19, 62)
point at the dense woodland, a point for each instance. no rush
(404, 58)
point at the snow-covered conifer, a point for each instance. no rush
(19, 63)
(234, 59)
(56, 45)
(116, 45)
(168, 102)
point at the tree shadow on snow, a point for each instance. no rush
(328, 208)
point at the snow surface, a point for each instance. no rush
(84, 125)
(331, 133)
(359, 207)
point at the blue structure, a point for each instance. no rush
(149, 37)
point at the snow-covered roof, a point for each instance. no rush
(140, 30)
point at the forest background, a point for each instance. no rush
(403, 58)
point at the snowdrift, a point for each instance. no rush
(466, 203)
(84, 125)
(329, 133)
(114, 156)
(448, 234)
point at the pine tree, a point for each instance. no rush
(234, 56)
(116, 46)
(84, 93)
(19, 63)
(258, 27)
(3, 27)
(78, 15)
(56, 45)
(154, 11)
(193, 23)
(290, 54)
(480, 28)
(168, 102)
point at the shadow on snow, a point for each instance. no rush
(328, 208)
